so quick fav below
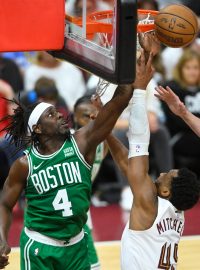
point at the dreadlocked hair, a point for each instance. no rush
(16, 130)
(185, 189)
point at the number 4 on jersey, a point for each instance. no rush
(61, 202)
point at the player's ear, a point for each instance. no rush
(37, 129)
(165, 192)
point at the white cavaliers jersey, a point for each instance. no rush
(155, 248)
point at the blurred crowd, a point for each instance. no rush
(37, 76)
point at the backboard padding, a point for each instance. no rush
(27, 25)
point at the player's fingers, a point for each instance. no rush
(96, 101)
(94, 96)
(142, 57)
(153, 69)
(141, 39)
(3, 265)
(149, 62)
(3, 261)
(155, 38)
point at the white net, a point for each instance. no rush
(102, 87)
(147, 20)
(104, 39)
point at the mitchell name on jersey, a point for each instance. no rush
(169, 223)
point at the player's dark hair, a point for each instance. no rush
(16, 130)
(85, 99)
(185, 189)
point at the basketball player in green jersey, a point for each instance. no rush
(84, 112)
(56, 175)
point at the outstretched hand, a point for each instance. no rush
(96, 101)
(171, 99)
(149, 42)
(144, 71)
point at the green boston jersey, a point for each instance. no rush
(58, 191)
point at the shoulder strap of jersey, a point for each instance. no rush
(80, 156)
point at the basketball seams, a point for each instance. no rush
(167, 13)
(181, 6)
(157, 25)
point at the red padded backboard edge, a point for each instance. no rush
(27, 25)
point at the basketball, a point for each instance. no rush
(176, 26)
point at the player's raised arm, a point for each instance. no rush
(144, 191)
(178, 108)
(100, 128)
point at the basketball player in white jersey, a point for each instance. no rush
(150, 239)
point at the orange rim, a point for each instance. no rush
(142, 28)
(94, 24)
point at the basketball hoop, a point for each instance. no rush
(145, 25)
(102, 22)
(146, 20)
(100, 26)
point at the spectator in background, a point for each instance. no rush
(9, 72)
(186, 84)
(22, 59)
(6, 108)
(194, 6)
(161, 64)
(164, 3)
(174, 54)
(4, 168)
(47, 91)
(75, 7)
(68, 78)
(148, 4)
(6, 92)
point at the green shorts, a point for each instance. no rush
(93, 258)
(38, 256)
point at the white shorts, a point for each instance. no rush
(128, 252)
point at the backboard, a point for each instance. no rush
(101, 38)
